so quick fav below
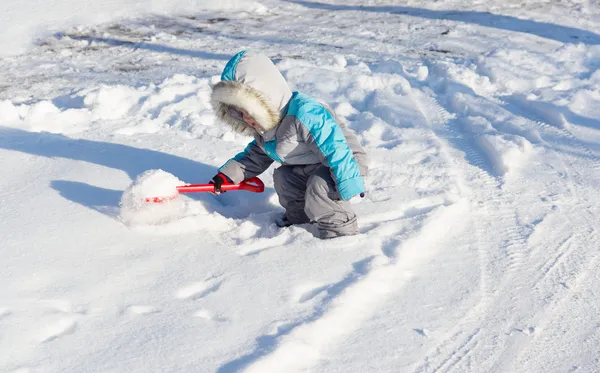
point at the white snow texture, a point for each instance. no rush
(478, 246)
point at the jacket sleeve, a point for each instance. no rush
(319, 130)
(251, 162)
(358, 152)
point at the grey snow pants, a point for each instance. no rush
(309, 195)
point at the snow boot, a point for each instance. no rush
(283, 222)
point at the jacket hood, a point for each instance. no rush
(250, 81)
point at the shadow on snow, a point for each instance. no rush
(158, 48)
(546, 30)
(133, 161)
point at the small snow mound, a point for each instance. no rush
(8, 113)
(586, 103)
(345, 109)
(248, 230)
(44, 116)
(4, 312)
(339, 61)
(546, 111)
(144, 126)
(153, 183)
(112, 102)
(236, 5)
(422, 73)
(506, 152)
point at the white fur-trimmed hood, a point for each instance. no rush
(240, 96)
(253, 83)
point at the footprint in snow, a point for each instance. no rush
(208, 316)
(136, 309)
(306, 292)
(199, 290)
(527, 331)
(253, 238)
(262, 244)
(4, 312)
(22, 370)
(64, 326)
(422, 332)
(64, 307)
(280, 327)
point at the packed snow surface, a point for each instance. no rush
(478, 246)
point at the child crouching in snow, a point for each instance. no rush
(322, 162)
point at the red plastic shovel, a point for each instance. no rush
(253, 184)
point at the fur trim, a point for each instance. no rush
(241, 96)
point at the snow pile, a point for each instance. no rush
(153, 183)
(43, 116)
(112, 102)
(181, 101)
(505, 152)
(176, 214)
(9, 115)
(547, 112)
(586, 103)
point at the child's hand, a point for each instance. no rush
(219, 180)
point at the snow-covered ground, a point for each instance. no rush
(479, 245)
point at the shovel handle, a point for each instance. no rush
(254, 185)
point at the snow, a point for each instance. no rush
(478, 236)
(137, 203)
(27, 22)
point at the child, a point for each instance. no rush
(322, 162)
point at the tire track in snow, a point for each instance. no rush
(586, 151)
(569, 261)
(547, 284)
(516, 278)
(556, 296)
(553, 261)
(459, 342)
(462, 340)
(575, 203)
(567, 246)
(461, 351)
(547, 130)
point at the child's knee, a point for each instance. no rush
(279, 178)
(319, 187)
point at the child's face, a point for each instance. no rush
(242, 115)
(250, 121)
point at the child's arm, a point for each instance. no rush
(327, 139)
(249, 163)
(358, 152)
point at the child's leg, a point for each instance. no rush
(334, 217)
(290, 185)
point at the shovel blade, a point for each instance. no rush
(160, 199)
